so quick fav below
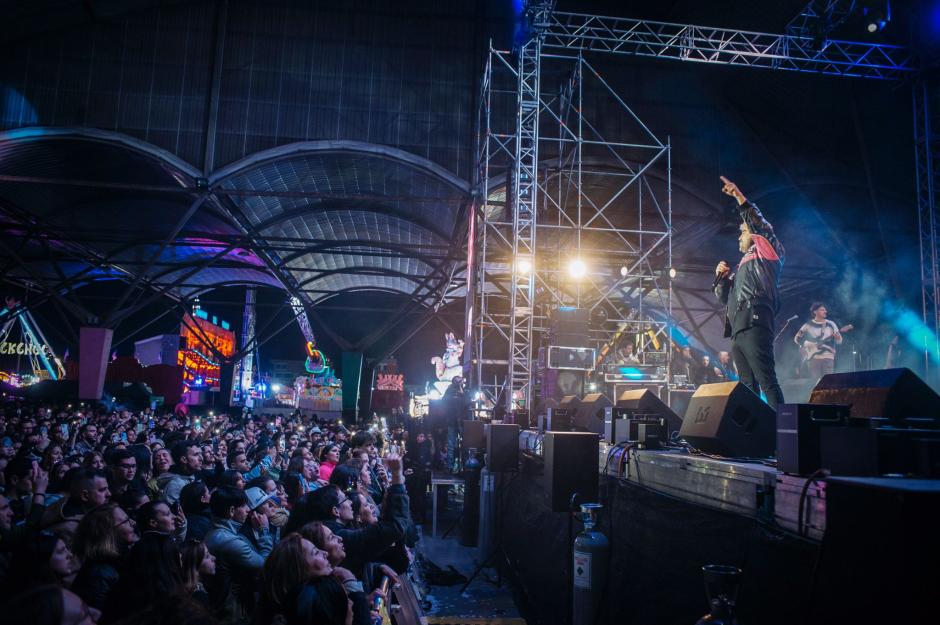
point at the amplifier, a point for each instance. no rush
(616, 430)
(639, 429)
(798, 428)
(576, 358)
(557, 420)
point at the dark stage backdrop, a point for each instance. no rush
(659, 545)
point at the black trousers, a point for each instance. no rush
(753, 353)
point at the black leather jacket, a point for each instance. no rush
(751, 292)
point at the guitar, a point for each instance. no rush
(812, 346)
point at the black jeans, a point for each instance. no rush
(753, 353)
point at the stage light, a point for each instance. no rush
(477, 396)
(592, 386)
(876, 18)
(577, 269)
(523, 265)
(623, 271)
(672, 273)
(275, 387)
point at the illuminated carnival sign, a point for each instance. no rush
(390, 382)
(21, 349)
(316, 361)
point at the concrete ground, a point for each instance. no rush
(439, 588)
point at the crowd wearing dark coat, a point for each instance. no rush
(114, 516)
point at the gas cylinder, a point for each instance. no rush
(470, 520)
(589, 575)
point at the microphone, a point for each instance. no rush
(718, 279)
(792, 318)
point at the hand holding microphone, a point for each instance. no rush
(721, 272)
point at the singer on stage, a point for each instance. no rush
(752, 298)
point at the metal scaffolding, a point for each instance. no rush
(706, 44)
(577, 190)
(537, 183)
(927, 158)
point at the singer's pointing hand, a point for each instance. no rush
(732, 189)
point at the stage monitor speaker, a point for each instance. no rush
(798, 438)
(502, 447)
(591, 413)
(643, 402)
(894, 394)
(473, 437)
(730, 420)
(571, 466)
(569, 403)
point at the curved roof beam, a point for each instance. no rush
(403, 251)
(306, 210)
(360, 270)
(371, 289)
(42, 133)
(301, 148)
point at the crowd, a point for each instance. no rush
(113, 516)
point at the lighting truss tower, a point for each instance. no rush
(927, 158)
(560, 186)
(524, 210)
(243, 377)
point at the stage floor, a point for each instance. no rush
(752, 490)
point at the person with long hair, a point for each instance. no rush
(102, 539)
(52, 456)
(329, 459)
(299, 583)
(153, 569)
(198, 565)
(194, 501)
(45, 559)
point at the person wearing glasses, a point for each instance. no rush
(102, 540)
(123, 471)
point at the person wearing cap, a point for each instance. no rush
(262, 504)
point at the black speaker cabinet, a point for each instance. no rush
(862, 450)
(591, 412)
(894, 394)
(645, 403)
(730, 420)
(571, 466)
(570, 327)
(881, 535)
(561, 419)
(798, 446)
(473, 437)
(502, 447)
